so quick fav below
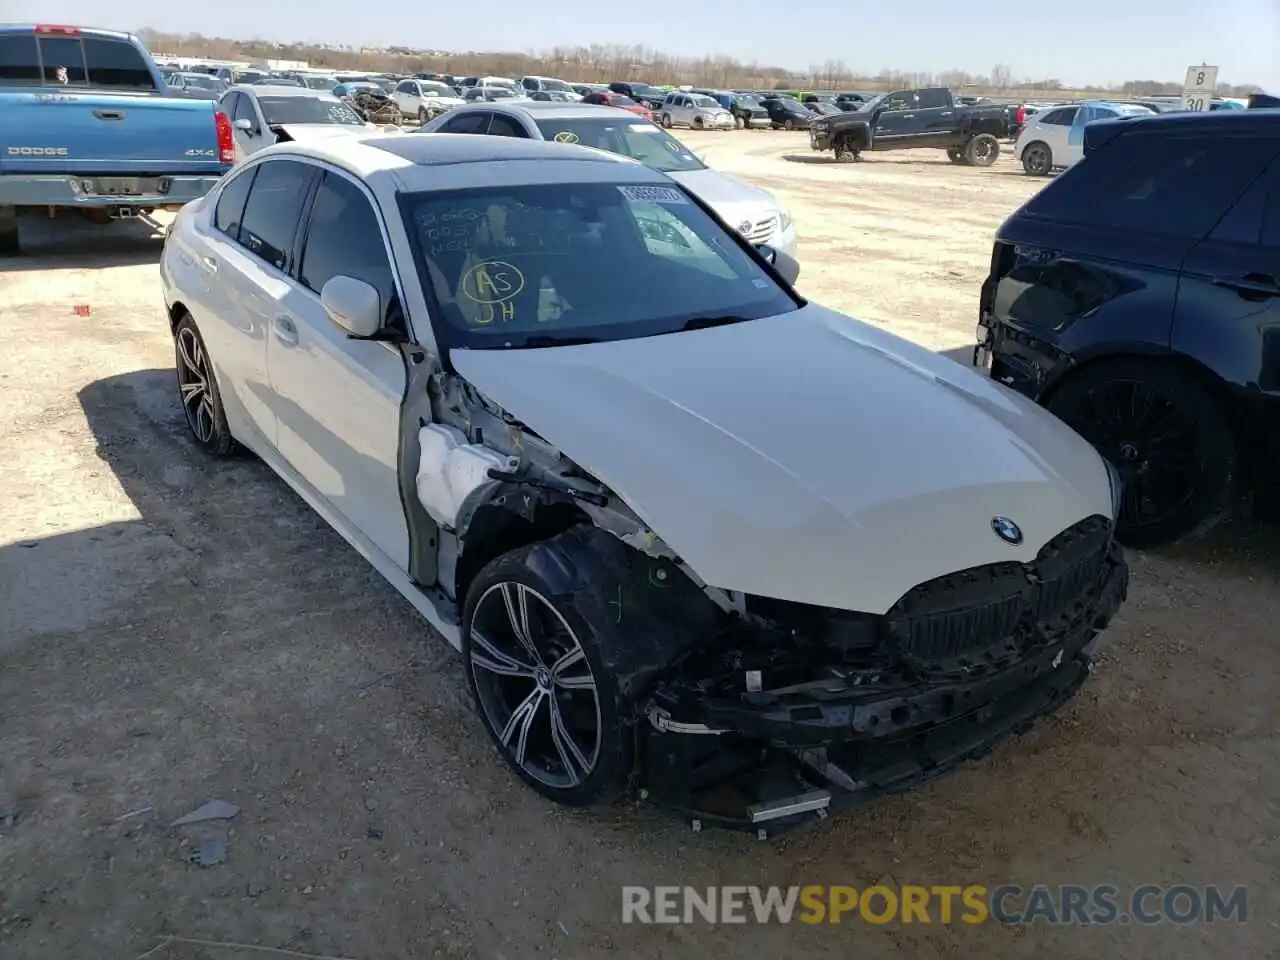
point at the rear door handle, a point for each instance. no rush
(908, 116)
(286, 330)
(109, 114)
(1251, 285)
(945, 113)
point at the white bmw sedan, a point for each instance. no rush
(691, 533)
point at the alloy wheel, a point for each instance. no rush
(1152, 443)
(193, 385)
(1036, 161)
(535, 686)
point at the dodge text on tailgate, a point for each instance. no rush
(90, 124)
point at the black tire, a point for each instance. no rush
(983, 150)
(666, 120)
(791, 124)
(956, 155)
(697, 123)
(9, 242)
(739, 123)
(202, 402)
(845, 152)
(1037, 159)
(423, 116)
(592, 774)
(1169, 437)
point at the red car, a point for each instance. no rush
(606, 98)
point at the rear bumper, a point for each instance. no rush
(67, 190)
(769, 761)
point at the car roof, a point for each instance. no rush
(412, 162)
(283, 90)
(1235, 122)
(560, 110)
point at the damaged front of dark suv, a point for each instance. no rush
(794, 709)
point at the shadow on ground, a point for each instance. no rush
(70, 242)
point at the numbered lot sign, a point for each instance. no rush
(1199, 87)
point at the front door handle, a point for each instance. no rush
(1252, 286)
(908, 116)
(286, 330)
(210, 263)
(945, 113)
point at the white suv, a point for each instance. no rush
(695, 110)
(424, 99)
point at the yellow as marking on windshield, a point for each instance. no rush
(565, 136)
(492, 281)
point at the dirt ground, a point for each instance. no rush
(174, 630)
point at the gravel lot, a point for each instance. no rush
(174, 630)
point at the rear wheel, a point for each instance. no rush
(1168, 436)
(791, 124)
(956, 155)
(9, 246)
(535, 666)
(1037, 159)
(982, 150)
(198, 390)
(422, 116)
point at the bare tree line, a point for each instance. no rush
(606, 62)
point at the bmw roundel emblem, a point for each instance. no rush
(1007, 530)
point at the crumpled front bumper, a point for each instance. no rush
(775, 759)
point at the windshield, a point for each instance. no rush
(430, 89)
(556, 85)
(751, 103)
(321, 83)
(632, 138)
(644, 90)
(537, 265)
(282, 110)
(701, 101)
(201, 80)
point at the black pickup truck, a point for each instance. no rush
(910, 119)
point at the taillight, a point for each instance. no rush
(1022, 114)
(57, 30)
(226, 137)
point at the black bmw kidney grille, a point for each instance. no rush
(991, 613)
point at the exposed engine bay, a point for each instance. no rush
(759, 713)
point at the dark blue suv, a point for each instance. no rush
(1138, 297)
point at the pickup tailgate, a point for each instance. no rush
(107, 133)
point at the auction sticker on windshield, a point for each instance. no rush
(653, 194)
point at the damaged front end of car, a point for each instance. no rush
(791, 710)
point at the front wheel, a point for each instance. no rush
(9, 245)
(535, 667)
(982, 150)
(1037, 159)
(423, 118)
(955, 155)
(1169, 437)
(845, 152)
(791, 124)
(198, 390)
(666, 120)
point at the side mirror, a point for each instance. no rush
(788, 268)
(244, 123)
(352, 305)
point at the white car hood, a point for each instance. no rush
(447, 101)
(807, 457)
(717, 189)
(310, 132)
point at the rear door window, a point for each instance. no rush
(474, 122)
(1060, 118)
(274, 209)
(231, 201)
(1156, 184)
(19, 60)
(501, 126)
(934, 98)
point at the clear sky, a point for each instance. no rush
(1078, 42)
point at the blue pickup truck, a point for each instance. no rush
(88, 123)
